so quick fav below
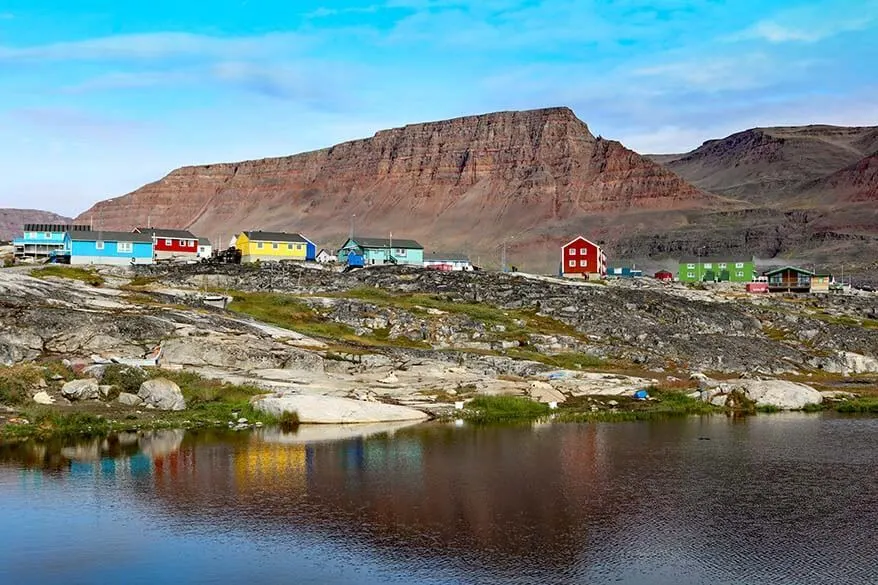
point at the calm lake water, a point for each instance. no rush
(789, 499)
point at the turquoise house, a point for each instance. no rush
(359, 251)
(102, 247)
(42, 240)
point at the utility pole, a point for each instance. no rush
(503, 258)
(351, 235)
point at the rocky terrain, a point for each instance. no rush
(12, 220)
(426, 339)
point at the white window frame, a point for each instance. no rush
(400, 252)
(572, 264)
(99, 244)
(708, 265)
(690, 275)
(723, 266)
(259, 244)
(583, 263)
(275, 246)
(690, 267)
(289, 246)
(739, 265)
(741, 274)
(124, 247)
(583, 252)
(169, 242)
(47, 235)
(573, 251)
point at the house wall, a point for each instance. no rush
(456, 265)
(402, 255)
(167, 247)
(271, 251)
(38, 243)
(731, 271)
(581, 257)
(87, 252)
(205, 251)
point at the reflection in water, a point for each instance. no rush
(769, 499)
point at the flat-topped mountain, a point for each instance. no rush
(461, 184)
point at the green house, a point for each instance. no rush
(706, 269)
(372, 251)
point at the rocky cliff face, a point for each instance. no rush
(466, 183)
(857, 183)
(12, 220)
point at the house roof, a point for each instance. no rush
(54, 227)
(793, 268)
(204, 241)
(665, 272)
(387, 242)
(105, 236)
(713, 260)
(260, 236)
(577, 238)
(166, 233)
(440, 257)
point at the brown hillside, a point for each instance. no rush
(467, 183)
(12, 220)
(765, 165)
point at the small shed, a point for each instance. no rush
(664, 276)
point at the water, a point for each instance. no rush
(789, 499)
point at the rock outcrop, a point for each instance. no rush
(333, 410)
(774, 393)
(86, 389)
(162, 394)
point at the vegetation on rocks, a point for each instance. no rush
(487, 409)
(16, 382)
(71, 272)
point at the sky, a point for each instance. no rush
(98, 97)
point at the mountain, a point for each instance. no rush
(853, 184)
(537, 177)
(766, 165)
(12, 220)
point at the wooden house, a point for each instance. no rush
(446, 261)
(360, 251)
(275, 246)
(664, 276)
(792, 279)
(103, 247)
(581, 258)
(171, 244)
(42, 240)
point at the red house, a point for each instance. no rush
(664, 276)
(581, 258)
(172, 244)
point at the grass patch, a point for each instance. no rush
(562, 361)
(125, 378)
(484, 409)
(141, 280)
(71, 272)
(865, 405)
(16, 382)
(292, 313)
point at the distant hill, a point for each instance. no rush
(12, 220)
(766, 165)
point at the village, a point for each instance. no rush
(580, 258)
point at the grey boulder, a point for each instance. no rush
(86, 389)
(162, 394)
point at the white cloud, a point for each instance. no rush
(813, 23)
(152, 46)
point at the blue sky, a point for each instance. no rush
(98, 97)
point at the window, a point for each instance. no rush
(400, 252)
(723, 266)
(690, 274)
(740, 275)
(123, 247)
(690, 266)
(169, 242)
(739, 265)
(572, 263)
(583, 251)
(99, 245)
(259, 245)
(583, 263)
(48, 235)
(708, 266)
(573, 251)
(299, 247)
(274, 246)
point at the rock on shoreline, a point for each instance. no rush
(334, 410)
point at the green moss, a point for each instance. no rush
(16, 382)
(563, 361)
(71, 272)
(484, 409)
(865, 405)
(124, 378)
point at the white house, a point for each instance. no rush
(205, 250)
(324, 256)
(451, 262)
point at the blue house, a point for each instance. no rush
(102, 247)
(359, 251)
(624, 272)
(42, 240)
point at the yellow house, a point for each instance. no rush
(274, 246)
